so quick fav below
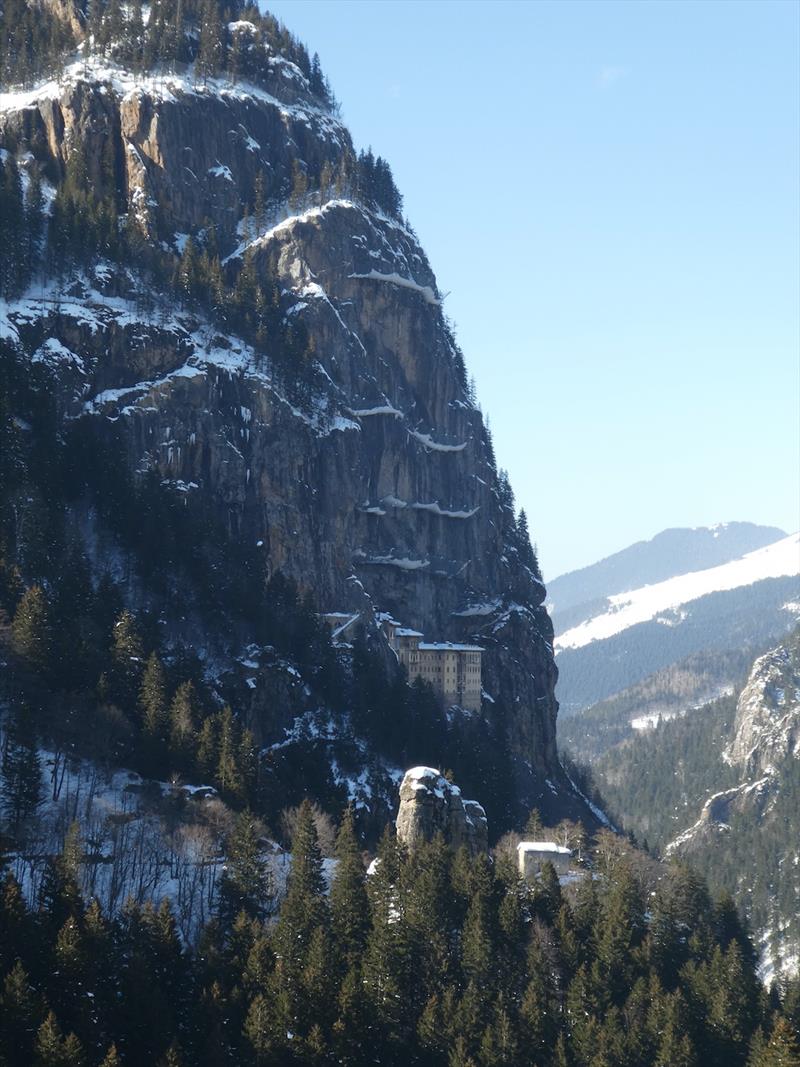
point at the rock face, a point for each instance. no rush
(381, 492)
(748, 833)
(767, 726)
(431, 805)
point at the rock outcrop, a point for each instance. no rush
(767, 725)
(431, 805)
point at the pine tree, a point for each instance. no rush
(305, 905)
(245, 885)
(387, 956)
(134, 35)
(349, 906)
(127, 656)
(51, 1049)
(153, 699)
(477, 937)
(21, 787)
(31, 637)
(781, 1050)
(182, 717)
(22, 1012)
(207, 756)
(227, 771)
(259, 1028)
(210, 51)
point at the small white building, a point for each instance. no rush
(532, 855)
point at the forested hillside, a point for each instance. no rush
(432, 959)
(684, 788)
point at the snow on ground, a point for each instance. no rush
(780, 559)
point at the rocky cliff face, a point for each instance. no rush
(748, 833)
(430, 805)
(767, 726)
(379, 493)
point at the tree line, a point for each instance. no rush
(433, 958)
(221, 37)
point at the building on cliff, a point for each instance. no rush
(532, 855)
(453, 670)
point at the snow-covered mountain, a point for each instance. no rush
(664, 600)
(609, 644)
(573, 597)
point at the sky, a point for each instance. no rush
(608, 193)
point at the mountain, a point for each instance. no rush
(232, 390)
(672, 552)
(242, 480)
(676, 690)
(617, 642)
(721, 787)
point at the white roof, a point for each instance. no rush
(543, 846)
(405, 632)
(448, 646)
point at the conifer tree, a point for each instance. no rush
(21, 787)
(305, 905)
(349, 907)
(31, 637)
(227, 771)
(127, 655)
(206, 757)
(259, 1028)
(182, 717)
(153, 697)
(21, 1015)
(52, 1049)
(477, 938)
(781, 1050)
(245, 886)
(387, 956)
(210, 51)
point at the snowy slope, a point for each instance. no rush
(649, 602)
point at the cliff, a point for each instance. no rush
(372, 483)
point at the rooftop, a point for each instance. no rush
(543, 846)
(447, 646)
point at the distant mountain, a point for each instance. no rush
(669, 553)
(722, 787)
(618, 641)
(674, 691)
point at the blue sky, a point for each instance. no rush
(609, 192)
